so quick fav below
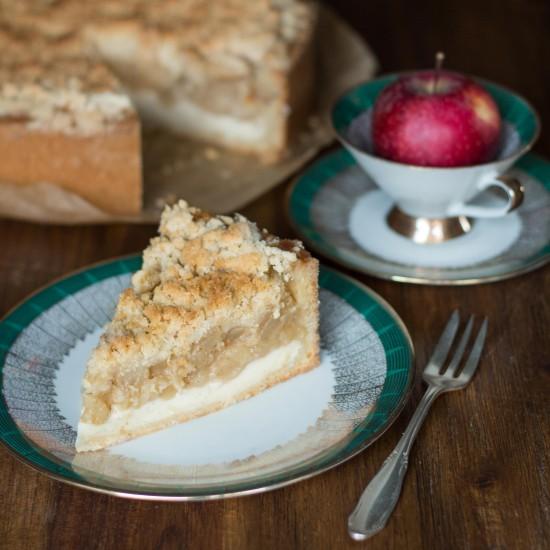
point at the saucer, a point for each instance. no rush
(340, 213)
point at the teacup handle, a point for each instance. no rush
(514, 192)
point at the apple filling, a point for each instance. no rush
(243, 96)
(220, 355)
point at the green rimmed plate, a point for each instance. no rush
(290, 432)
(320, 204)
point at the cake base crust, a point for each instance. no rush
(103, 168)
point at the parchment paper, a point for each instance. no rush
(206, 176)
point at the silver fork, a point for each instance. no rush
(381, 495)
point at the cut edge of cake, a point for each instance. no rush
(259, 94)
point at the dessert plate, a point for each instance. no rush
(291, 432)
(339, 211)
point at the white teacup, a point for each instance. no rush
(438, 198)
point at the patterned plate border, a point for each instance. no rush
(390, 329)
(302, 190)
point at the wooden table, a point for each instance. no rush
(479, 475)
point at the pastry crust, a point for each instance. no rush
(214, 297)
(104, 168)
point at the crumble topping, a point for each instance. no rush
(68, 47)
(193, 245)
(53, 88)
(63, 102)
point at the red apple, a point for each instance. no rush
(436, 118)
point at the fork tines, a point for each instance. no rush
(436, 365)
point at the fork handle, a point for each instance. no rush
(381, 495)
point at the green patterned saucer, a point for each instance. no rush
(339, 212)
(291, 432)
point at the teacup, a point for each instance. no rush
(435, 204)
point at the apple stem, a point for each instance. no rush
(439, 58)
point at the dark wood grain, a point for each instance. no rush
(479, 475)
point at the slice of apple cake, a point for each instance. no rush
(219, 312)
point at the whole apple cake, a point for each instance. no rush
(218, 312)
(77, 78)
